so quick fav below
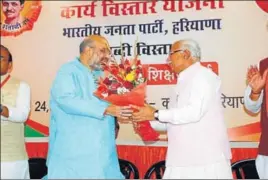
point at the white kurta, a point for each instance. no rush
(255, 107)
(19, 114)
(219, 170)
(198, 145)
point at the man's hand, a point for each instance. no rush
(5, 112)
(255, 80)
(144, 113)
(122, 112)
(252, 70)
(125, 121)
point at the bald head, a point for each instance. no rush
(190, 45)
(99, 39)
(95, 51)
(93, 41)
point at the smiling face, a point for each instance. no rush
(11, 10)
(99, 54)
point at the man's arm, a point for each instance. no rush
(252, 104)
(158, 126)
(52, 137)
(21, 111)
(65, 95)
(200, 96)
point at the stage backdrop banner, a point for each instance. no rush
(232, 35)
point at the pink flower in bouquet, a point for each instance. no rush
(127, 62)
(121, 66)
(138, 70)
(114, 71)
(128, 69)
(107, 81)
(128, 85)
(113, 87)
(138, 63)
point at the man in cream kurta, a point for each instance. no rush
(198, 145)
(15, 108)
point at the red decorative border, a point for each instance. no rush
(38, 127)
(245, 130)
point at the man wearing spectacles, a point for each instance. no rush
(198, 145)
(82, 127)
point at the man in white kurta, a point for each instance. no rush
(15, 108)
(198, 145)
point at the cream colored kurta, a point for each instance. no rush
(15, 95)
(198, 145)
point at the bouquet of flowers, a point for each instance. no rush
(125, 84)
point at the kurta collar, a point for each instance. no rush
(189, 71)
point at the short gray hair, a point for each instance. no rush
(86, 43)
(193, 47)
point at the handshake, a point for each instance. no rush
(132, 112)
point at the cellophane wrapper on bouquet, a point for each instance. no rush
(125, 84)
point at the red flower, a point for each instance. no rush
(121, 66)
(120, 79)
(114, 86)
(138, 70)
(113, 66)
(127, 62)
(102, 88)
(105, 68)
(128, 85)
(129, 69)
(138, 62)
(114, 71)
(107, 81)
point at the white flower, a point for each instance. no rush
(141, 80)
(133, 67)
(104, 95)
(140, 75)
(122, 90)
(110, 78)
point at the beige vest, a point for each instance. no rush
(12, 134)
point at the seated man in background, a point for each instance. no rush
(256, 100)
(15, 109)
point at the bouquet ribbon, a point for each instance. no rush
(146, 132)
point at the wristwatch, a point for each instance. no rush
(156, 115)
(1, 108)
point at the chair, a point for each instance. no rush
(245, 169)
(128, 169)
(37, 168)
(156, 171)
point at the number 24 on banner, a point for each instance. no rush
(41, 106)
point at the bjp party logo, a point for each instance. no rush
(18, 16)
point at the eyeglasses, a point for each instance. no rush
(173, 52)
